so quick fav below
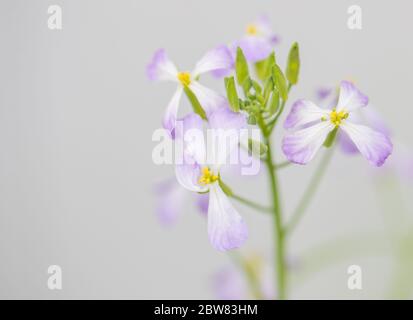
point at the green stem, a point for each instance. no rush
(310, 191)
(251, 204)
(278, 228)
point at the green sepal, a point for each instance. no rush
(241, 67)
(232, 94)
(293, 64)
(227, 190)
(331, 138)
(196, 106)
(268, 88)
(257, 148)
(274, 102)
(263, 67)
(279, 81)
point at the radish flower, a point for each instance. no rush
(200, 172)
(161, 68)
(258, 41)
(310, 126)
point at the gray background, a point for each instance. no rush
(76, 120)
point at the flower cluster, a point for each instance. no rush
(256, 95)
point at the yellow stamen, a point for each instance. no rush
(184, 78)
(207, 177)
(337, 118)
(251, 29)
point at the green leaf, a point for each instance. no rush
(232, 94)
(257, 148)
(331, 138)
(196, 106)
(279, 81)
(263, 67)
(293, 64)
(227, 190)
(275, 102)
(241, 67)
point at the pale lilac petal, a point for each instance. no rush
(226, 229)
(350, 97)
(224, 118)
(188, 176)
(373, 145)
(346, 145)
(216, 59)
(366, 115)
(169, 119)
(225, 135)
(301, 146)
(209, 99)
(202, 200)
(255, 48)
(264, 29)
(304, 112)
(170, 201)
(161, 67)
(189, 132)
(220, 73)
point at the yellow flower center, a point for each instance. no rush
(184, 78)
(337, 118)
(252, 29)
(207, 177)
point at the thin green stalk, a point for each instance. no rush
(310, 191)
(278, 227)
(251, 203)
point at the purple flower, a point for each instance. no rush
(258, 41)
(172, 199)
(329, 97)
(309, 126)
(161, 68)
(257, 44)
(200, 172)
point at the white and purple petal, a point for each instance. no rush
(255, 48)
(202, 200)
(225, 135)
(169, 119)
(189, 132)
(161, 67)
(226, 228)
(373, 145)
(217, 59)
(304, 112)
(302, 145)
(209, 99)
(188, 176)
(350, 98)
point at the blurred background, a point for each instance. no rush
(77, 180)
